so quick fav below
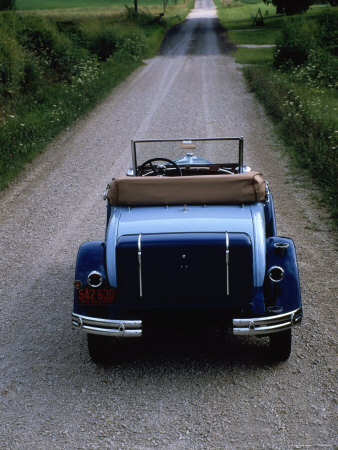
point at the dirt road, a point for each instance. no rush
(181, 391)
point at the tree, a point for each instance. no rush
(290, 6)
(6, 5)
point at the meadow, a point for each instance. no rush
(296, 81)
(41, 5)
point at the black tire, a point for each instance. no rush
(280, 345)
(99, 348)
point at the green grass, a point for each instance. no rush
(238, 19)
(241, 16)
(254, 56)
(66, 4)
(254, 36)
(175, 11)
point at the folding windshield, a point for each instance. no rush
(224, 150)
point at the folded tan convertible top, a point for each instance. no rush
(190, 190)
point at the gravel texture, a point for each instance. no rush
(179, 390)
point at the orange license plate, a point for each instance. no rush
(97, 296)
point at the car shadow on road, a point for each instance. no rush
(189, 346)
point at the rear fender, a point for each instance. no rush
(91, 256)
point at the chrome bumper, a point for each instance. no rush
(106, 327)
(266, 325)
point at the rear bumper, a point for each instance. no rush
(241, 327)
(106, 327)
(266, 325)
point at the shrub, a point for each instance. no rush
(132, 44)
(298, 37)
(102, 42)
(56, 53)
(328, 31)
(321, 69)
(11, 64)
(32, 76)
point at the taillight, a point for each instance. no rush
(95, 279)
(276, 274)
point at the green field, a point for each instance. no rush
(66, 4)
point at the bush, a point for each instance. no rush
(308, 47)
(328, 31)
(132, 44)
(11, 65)
(101, 41)
(56, 53)
(298, 37)
(321, 69)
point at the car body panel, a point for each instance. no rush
(247, 219)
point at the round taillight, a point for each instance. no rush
(95, 279)
(276, 274)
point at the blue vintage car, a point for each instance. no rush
(187, 237)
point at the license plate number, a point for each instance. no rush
(98, 296)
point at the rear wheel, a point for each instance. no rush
(280, 345)
(99, 348)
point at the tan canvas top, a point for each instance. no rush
(190, 190)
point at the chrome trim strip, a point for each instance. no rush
(106, 327)
(227, 256)
(139, 256)
(266, 325)
(133, 155)
(241, 145)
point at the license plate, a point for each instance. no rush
(97, 296)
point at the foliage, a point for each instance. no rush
(7, 5)
(11, 64)
(298, 37)
(308, 47)
(290, 6)
(54, 69)
(298, 86)
(55, 52)
(307, 123)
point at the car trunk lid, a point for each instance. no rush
(184, 269)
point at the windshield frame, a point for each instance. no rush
(240, 140)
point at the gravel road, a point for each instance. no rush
(171, 392)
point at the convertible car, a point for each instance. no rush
(191, 238)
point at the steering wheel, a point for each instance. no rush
(160, 169)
